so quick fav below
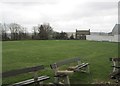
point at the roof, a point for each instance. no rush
(116, 29)
(82, 30)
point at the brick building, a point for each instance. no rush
(81, 34)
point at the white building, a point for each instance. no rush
(113, 36)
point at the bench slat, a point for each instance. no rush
(30, 81)
(63, 62)
(74, 68)
(21, 71)
(81, 66)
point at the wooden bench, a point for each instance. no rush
(35, 80)
(116, 68)
(63, 75)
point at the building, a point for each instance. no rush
(81, 34)
(116, 30)
(113, 36)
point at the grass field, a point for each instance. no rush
(20, 54)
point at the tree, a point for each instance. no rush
(23, 33)
(45, 31)
(63, 35)
(4, 29)
(72, 37)
(56, 35)
(35, 32)
(17, 31)
(14, 31)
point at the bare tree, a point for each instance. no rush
(4, 29)
(15, 29)
(23, 33)
(45, 31)
(35, 33)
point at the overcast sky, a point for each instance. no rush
(63, 15)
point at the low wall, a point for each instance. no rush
(115, 38)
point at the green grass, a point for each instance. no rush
(20, 54)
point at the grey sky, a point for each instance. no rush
(63, 15)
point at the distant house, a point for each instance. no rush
(113, 36)
(81, 34)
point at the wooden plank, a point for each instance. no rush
(82, 66)
(64, 62)
(116, 66)
(78, 67)
(66, 72)
(115, 59)
(21, 71)
(30, 81)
